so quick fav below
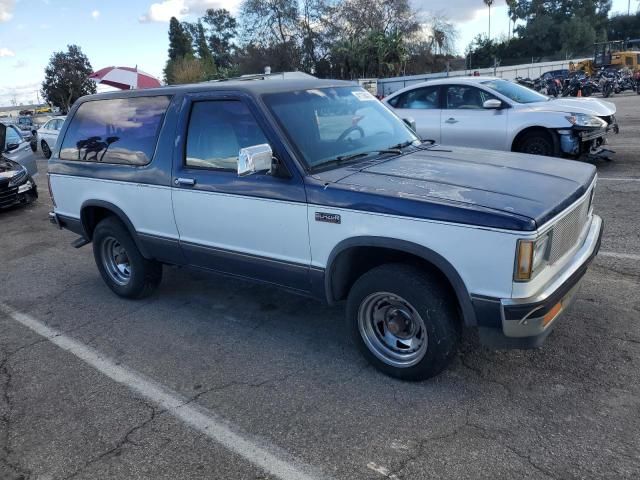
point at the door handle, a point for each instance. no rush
(190, 182)
(451, 120)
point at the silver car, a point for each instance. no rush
(17, 149)
(48, 135)
(492, 113)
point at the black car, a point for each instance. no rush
(16, 185)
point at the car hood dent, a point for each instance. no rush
(508, 184)
(589, 106)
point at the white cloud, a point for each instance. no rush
(6, 10)
(20, 64)
(164, 10)
(5, 52)
(95, 14)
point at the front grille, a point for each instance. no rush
(8, 196)
(566, 232)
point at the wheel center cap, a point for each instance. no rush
(399, 323)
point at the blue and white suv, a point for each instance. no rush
(317, 187)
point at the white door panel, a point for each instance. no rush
(256, 226)
(475, 128)
(427, 122)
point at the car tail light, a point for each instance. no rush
(53, 200)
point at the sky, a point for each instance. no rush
(134, 32)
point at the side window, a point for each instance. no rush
(118, 130)
(12, 136)
(217, 130)
(57, 124)
(423, 98)
(464, 97)
(48, 125)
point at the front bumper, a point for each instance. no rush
(526, 322)
(19, 194)
(578, 141)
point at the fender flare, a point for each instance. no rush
(117, 211)
(437, 260)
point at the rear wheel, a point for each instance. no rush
(536, 143)
(403, 321)
(46, 151)
(122, 266)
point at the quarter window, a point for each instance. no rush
(118, 130)
(218, 129)
(420, 98)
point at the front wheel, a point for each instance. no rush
(536, 143)
(122, 267)
(46, 151)
(404, 321)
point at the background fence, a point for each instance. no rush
(387, 86)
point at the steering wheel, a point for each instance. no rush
(348, 131)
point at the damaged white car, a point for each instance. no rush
(496, 114)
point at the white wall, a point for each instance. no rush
(387, 86)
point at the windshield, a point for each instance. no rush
(515, 92)
(337, 123)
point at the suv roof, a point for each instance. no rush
(252, 86)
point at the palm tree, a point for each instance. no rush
(488, 3)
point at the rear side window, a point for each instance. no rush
(420, 98)
(119, 130)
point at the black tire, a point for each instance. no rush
(536, 143)
(139, 277)
(46, 151)
(423, 294)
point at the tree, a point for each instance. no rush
(222, 28)
(488, 3)
(180, 46)
(67, 78)
(186, 70)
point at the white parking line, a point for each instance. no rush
(623, 256)
(619, 179)
(198, 418)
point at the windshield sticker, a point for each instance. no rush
(363, 96)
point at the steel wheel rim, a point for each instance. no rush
(392, 329)
(116, 261)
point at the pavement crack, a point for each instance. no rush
(122, 443)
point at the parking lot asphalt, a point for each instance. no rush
(212, 378)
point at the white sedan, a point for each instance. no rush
(492, 113)
(48, 134)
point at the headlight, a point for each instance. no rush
(531, 255)
(25, 187)
(18, 177)
(584, 120)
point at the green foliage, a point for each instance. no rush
(623, 27)
(66, 78)
(337, 38)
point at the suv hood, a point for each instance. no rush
(589, 106)
(484, 187)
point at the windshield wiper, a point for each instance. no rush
(346, 158)
(402, 145)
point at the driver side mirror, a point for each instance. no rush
(492, 104)
(254, 159)
(411, 123)
(11, 147)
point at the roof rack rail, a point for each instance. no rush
(266, 76)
